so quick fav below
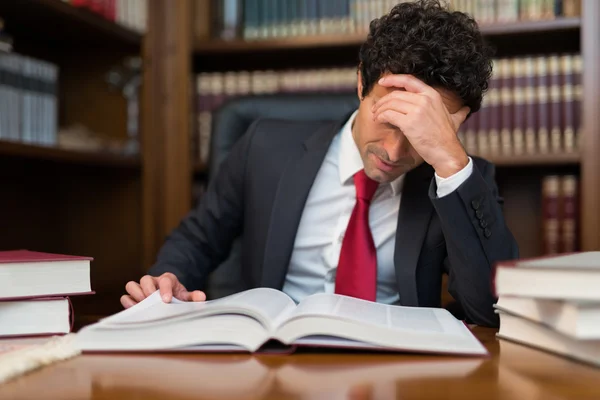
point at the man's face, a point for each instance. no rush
(385, 151)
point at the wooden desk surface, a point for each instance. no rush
(512, 372)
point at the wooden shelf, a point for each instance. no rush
(523, 27)
(57, 21)
(14, 149)
(533, 160)
(354, 40)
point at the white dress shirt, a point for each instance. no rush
(326, 215)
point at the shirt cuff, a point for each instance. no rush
(445, 186)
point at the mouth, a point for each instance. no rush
(382, 165)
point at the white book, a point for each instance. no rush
(580, 320)
(535, 335)
(252, 320)
(567, 277)
(29, 274)
(35, 317)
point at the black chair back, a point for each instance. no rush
(232, 120)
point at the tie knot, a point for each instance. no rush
(365, 186)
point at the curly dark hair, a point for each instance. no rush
(443, 48)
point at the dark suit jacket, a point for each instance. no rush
(260, 193)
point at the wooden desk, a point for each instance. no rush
(513, 372)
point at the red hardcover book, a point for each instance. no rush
(80, 3)
(506, 85)
(30, 274)
(550, 213)
(568, 214)
(110, 9)
(577, 94)
(530, 106)
(518, 88)
(555, 104)
(97, 6)
(543, 106)
(568, 103)
(44, 316)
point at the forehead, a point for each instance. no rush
(452, 102)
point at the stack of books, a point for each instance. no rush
(35, 289)
(552, 303)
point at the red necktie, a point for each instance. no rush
(357, 268)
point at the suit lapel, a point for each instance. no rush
(413, 219)
(292, 191)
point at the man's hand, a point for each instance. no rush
(167, 283)
(423, 118)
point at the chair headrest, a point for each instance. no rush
(234, 117)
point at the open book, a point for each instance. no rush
(251, 320)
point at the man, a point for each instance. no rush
(376, 206)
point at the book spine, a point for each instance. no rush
(507, 105)
(494, 102)
(204, 82)
(568, 214)
(568, 103)
(555, 104)
(550, 214)
(518, 128)
(483, 143)
(530, 106)
(577, 96)
(543, 133)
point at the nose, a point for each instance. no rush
(396, 146)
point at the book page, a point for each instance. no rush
(223, 329)
(415, 319)
(266, 305)
(324, 319)
(586, 260)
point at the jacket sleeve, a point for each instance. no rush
(204, 237)
(476, 237)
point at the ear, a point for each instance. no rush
(359, 85)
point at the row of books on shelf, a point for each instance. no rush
(213, 89)
(264, 19)
(532, 105)
(35, 291)
(132, 14)
(28, 99)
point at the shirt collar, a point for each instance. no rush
(350, 161)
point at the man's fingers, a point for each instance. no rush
(182, 294)
(398, 106)
(148, 284)
(409, 97)
(197, 295)
(404, 100)
(135, 291)
(165, 285)
(127, 301)
(408, 82)
(391, 117)
(459, 117)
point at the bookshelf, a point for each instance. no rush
(68, 156)
(59, 21)
(75, 199)
(240, 46)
